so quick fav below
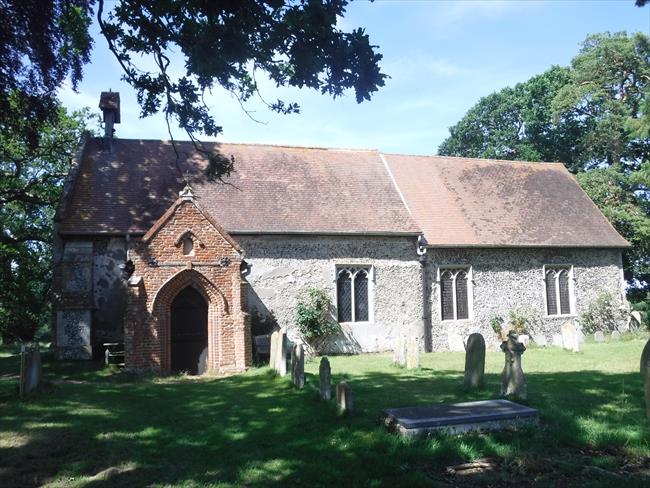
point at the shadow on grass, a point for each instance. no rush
(254, 429)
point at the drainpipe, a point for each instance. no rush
(426, 309)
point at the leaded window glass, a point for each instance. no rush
(361, 296)
(462, 308)
(353, 294)
(344, 296)
(447, 295)
(551, 300)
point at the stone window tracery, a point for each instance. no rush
(455, 293)
(559, 292)
(353, 294)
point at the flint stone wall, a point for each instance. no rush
(505, 279)
(283, 267)
(89, 296)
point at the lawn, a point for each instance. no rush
(95, 427)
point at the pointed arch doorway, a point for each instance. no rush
(189, 332)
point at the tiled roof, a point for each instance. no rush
(477, 202)
(273, 190)
(279, 189)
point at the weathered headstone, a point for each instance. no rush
(615, 337)
(513, 380)
(273, 358)
(399, 353)
(325, 378)
(570, 339)
(281, 353)
(475, 361)
(599, 336)
(645, 358)
(412, 353)
(557, 340)
(30, 370)
(298, 366)
(541, 341)
(524, 339)
(634, 320)
(344, 399)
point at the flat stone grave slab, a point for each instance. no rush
(458, 418)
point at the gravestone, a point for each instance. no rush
(475, 361)
(615, 337)
(645, 357)
(541, 341)
(344, 399)
(281, 353)
(30, 370)
(458, 418)
(298, 366)
(557, 340)
(524, 339)
(273, 358)
(599, 336)
(325, 378)
(570, 339)
(412, 353)
(634, 320)
(513, 380)
(399, 353)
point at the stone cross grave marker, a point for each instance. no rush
(30, 370)
(298, 366)
(412, 353)
(325, 379)
(513, 380)
(344, 399)
(475, 361)
(570, 337)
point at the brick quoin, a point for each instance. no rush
(162, 271)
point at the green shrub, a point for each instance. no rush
(314, 316)
(519, 321)
(604, 313)
(496, 322)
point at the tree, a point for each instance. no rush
(517, 123)
(222, 44)
(593, 116)
(30, 185)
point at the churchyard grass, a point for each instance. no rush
(255, 429)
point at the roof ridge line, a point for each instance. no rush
(468, 159)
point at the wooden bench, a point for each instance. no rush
(114, 353)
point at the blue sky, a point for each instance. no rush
(442, 58)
